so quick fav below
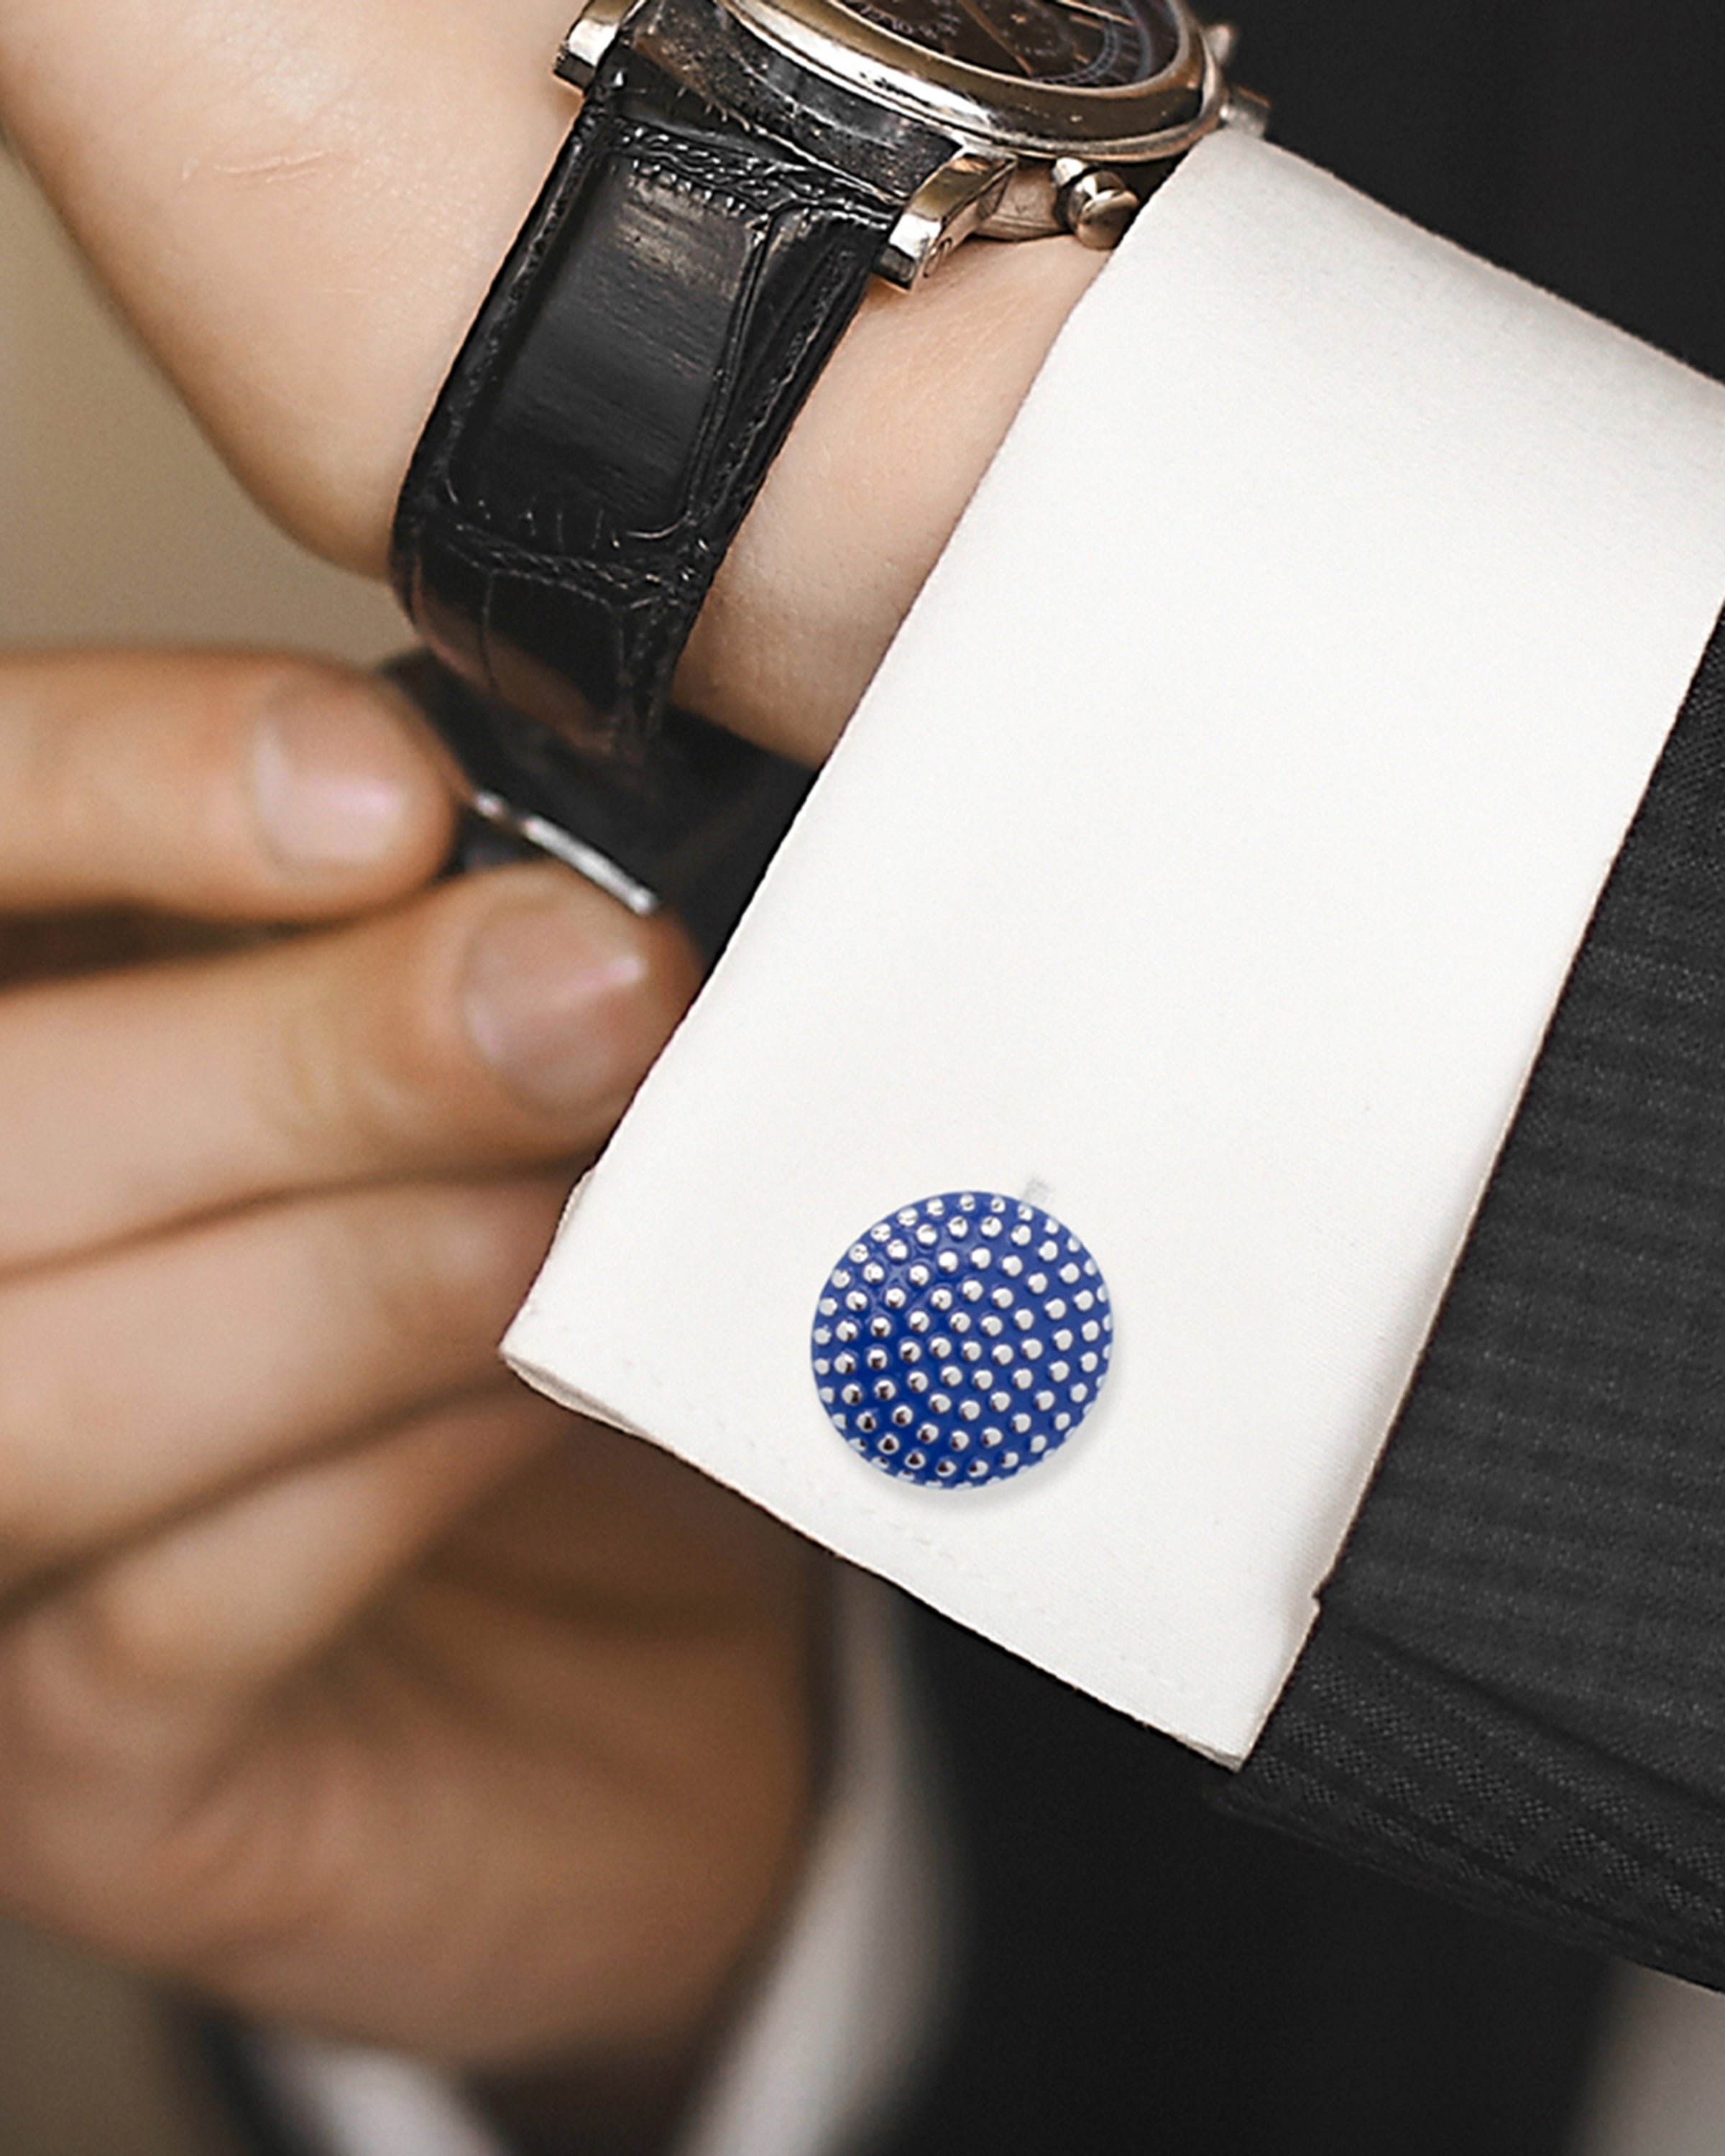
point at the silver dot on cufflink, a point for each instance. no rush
(904, 1307)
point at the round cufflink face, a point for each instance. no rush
(961, 1339)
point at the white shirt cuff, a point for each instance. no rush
(1205, 861)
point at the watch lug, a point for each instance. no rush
(1245, 110)
(954, 200)
(1241, 108)
(590, 37)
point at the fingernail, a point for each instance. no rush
(546, 993)
(329, 778)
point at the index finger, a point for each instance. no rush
(225, 786)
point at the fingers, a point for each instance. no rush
(225, 1602)
(118, 1691)
(262, 1752)
(137, 1387)
(498, 1020)
(221, 786)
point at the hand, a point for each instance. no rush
(301, 205)
(339, 1674)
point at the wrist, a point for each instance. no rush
(877, 471)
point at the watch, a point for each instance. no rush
(737, 171)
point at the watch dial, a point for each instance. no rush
(1092, 45)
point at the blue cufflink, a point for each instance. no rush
(961, 1339)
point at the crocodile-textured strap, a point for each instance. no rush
(663, 314)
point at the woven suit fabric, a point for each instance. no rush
(1517, 1685)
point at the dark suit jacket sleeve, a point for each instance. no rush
(1516, 1688)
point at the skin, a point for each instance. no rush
(301, 204)
(339, 1675)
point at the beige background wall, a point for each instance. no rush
(116, 520)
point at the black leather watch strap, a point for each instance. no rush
(694, 831)
(663, 314)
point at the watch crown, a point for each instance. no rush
(950, 204)
(1095, 205)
